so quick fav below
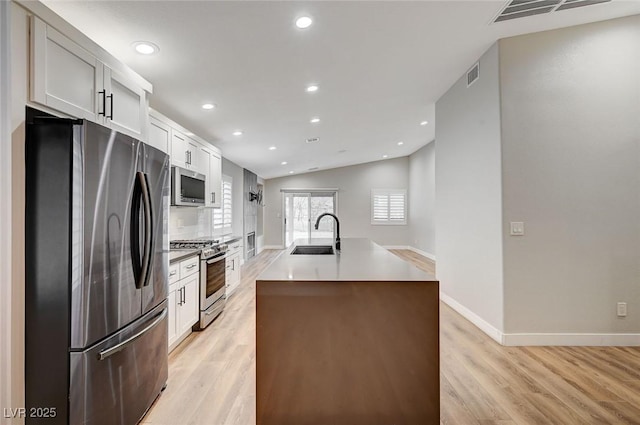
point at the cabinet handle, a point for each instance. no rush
(173, 273)
(190, 266)
(187, 155)
(184, 296)
(104, 102)
(213, 197)
(110, 107)
(233, 264)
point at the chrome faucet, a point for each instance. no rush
(337, 227)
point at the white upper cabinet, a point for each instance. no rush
(159, 134)
(64, 76)
(212, 169)
(69, 79)
(125, 104)
(184, 151)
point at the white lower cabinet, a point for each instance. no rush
(233, 275)
(184, 299)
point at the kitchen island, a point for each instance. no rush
(349, 338)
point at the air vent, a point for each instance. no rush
(313, 140)
(522, 8)
(473, 74)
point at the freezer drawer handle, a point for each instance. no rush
(119, 347)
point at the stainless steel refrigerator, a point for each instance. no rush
(96, 273)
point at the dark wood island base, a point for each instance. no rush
(347, 352)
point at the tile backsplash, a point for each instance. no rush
(190, 222)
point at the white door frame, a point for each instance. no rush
(5, 207)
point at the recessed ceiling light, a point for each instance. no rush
(145, 47)
(283, 163)
(304, 22)
(315, 120)
(208, 106)
(312, 88)
(272, 148)
(400, 143)
(290, 172)
(385, 156)
(237, 133)
(424, 123)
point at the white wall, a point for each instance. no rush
(571, 155)
(422, 199)
(468, 194)
(354, 198)
(5, 209)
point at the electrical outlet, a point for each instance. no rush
(517, 228)
(622, 309)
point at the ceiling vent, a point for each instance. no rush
(473, 74)
(313, 140)
(522, 8)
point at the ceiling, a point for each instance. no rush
(380, 68)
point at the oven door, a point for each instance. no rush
(212, 280)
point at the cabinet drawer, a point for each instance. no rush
(174, 273)
(189, 267)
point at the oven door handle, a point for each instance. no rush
(216, 259)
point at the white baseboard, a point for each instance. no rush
(482, 324)
(543, 339)
(565, 339)
(395, 246)
(411, 248)
(423, 253)
(273, 247)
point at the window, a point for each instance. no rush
(388, 206)
(222, 216)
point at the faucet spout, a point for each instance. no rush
(337, 227)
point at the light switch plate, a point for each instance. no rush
(622, 309)
(517, 228)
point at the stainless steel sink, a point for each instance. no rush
(313, 250)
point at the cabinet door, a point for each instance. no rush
(189, 312)
(173, 306)
(126, 105)
(210, 162)
(193, 153)
(215, 180)
(159, 135)
(178, 148)
(64, 76)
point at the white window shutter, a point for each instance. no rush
(223, 216)
(388, 206)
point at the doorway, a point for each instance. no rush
(301, 210)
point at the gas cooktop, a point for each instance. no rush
(209, 247)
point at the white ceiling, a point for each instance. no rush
(380, 67)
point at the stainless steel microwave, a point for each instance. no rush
(187, 187)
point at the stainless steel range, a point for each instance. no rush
(212, 276)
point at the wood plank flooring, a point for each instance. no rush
(212, 373)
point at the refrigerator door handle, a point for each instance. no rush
(104, 354)
(140, 193)
(148, 230)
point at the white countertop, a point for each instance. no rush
(359, 260)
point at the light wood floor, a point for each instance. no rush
(212, 373)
